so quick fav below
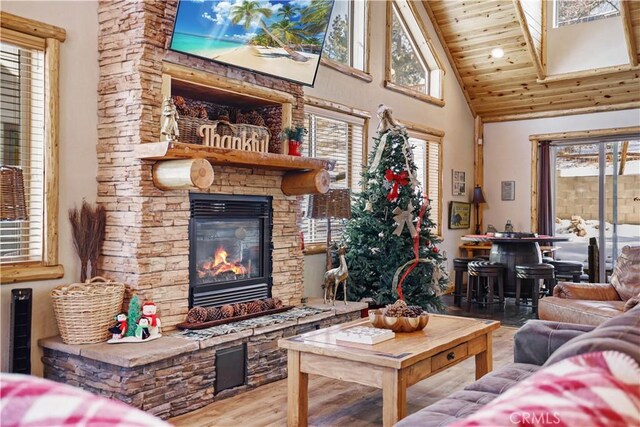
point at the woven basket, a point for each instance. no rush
(85, 311)
(188, 128)
(12, 203)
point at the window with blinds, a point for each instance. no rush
(426, 155)
(22, 128)
(339, 137)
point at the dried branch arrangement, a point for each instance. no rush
(88, 228)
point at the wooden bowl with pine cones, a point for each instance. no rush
(400, 317)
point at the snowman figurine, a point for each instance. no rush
(120, 328)
(149, 310)
(142, 329)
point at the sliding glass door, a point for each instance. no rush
(596, 195)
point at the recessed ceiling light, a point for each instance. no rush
(497, 52)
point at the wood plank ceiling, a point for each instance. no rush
(508, 88)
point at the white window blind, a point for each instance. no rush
(426, 154)
(339, 137)
(22, 125)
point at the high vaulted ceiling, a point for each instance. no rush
(515, 86)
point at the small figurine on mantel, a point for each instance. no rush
(120, 329)
(149, 310)
(142, 330)
(140, 325)
(169, 120)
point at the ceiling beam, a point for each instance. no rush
(623, 157)
(629, 36)
(522, 19)
(489, 118)
(445, 46)
(589, 73)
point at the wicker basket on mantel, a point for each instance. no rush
(86, 311)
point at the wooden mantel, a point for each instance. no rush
(304, 175)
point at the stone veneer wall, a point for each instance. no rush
(168, 385)
(146, 243)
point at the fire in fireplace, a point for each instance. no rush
(230, 249)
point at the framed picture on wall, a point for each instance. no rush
(459, 187)
(508, 190)
(459, 215)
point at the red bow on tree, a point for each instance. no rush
(397, 179)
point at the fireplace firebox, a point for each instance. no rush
(230, 249)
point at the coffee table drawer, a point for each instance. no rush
(448, 357)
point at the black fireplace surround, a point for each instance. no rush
(230, 249)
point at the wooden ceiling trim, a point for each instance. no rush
(519, 108)
(445, 47)
(629, 35)
(492, 69)
(626, 77)
(634, 9)
(540, 90)
(537, 62)
(481, 46)
(518, 52)
(447, 7)
(624, 94)
(557, 113)
(589, 73)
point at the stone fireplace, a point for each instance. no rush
(147, 237)
(229, 249)
(234, 241)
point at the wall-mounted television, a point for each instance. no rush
(281, 38)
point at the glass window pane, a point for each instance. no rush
(21, 153)
(569, 12)
(407, 68)
(346, 36)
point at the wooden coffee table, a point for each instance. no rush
(391, 365)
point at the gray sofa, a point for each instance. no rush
(537, 344)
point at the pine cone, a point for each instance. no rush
(197, 315)
(254, 307)
(201, 112)
(270, 303)
(264, 306)
(227, 311)
(255, 119)
(416, 310)
(239, 309)
(277, 303)
(213, 313)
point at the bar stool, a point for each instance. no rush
(535, 272)
(491, 272)
(568, 270)
(460, 268)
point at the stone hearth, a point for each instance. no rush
(177, 374)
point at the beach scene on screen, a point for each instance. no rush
(280, 38)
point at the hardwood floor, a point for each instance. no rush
(337, 403)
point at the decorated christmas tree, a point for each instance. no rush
(133, 315)
(392, 249)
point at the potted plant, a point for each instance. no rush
(293, 136)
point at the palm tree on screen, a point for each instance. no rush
(250, 12)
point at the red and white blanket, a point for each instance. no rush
(28, 401)
(595, 389)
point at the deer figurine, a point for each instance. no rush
(335, 276)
